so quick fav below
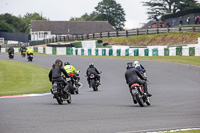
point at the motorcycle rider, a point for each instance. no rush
(72, 70)
(55, 73)
(22, 49)
(92, 69)
(131, 76)
(10, 51)
(139, 66)
(29, 51)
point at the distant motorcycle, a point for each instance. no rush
(11, 55)
(73, 83)
(23, 53)
(30, 57)
(138, 95)
(94, 83)
(59, 94)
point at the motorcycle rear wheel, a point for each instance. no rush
(94, 85)
(71, 88)
(140, 100)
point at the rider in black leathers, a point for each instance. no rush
(55, 73)
(132, 75)
(92, 69)
(22, 49)
(10, 50)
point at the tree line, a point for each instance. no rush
(106, 10)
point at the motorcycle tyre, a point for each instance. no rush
(59, 100)
(70, 99)
(139, 100)
(93, 84)
(71, 88)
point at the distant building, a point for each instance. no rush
(47, 29)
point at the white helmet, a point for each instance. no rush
(136, 63)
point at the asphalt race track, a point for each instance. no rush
(175, 101)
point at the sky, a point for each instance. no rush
(63, 10)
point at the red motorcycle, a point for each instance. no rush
(138, 95)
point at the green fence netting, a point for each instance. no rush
(68, 50)
(179, 50)
(44, 50)
(82, 51)
(146, 52)
(89, 51)
(136, 52)
(77, 44)
(103, 52)
(192, 51)
(118, 52)
(166, 51)
(110, 52)
(76, 51)
(127, 52)
(155, 52)
(97, 52)
(71, 51)
(54, 50)
(32, 43)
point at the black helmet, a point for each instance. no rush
(57, 61)
(129, 65)
(91, 65)
(66, 63)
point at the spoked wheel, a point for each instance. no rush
(139, 99)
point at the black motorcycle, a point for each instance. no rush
(11, 55)
(138, 95)
(73, 83)
(30, 57)
(23, 53)
(59, 94)
(94, 83)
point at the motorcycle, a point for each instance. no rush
(138, 95)
(73, 83)
(11, 55)
(30, 57)
(94, 83)
(23, 53)
(59, 94)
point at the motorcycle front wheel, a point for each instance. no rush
(59, 99)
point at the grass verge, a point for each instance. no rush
(22, 78)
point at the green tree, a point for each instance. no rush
(157, 8)
(109, 10)
(5, 26)
(29, 17)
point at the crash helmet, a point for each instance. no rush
(66, 63)
(129, 65)
(57, 61)
(91, 65)
(136, 63)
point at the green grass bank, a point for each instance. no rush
(22, 78)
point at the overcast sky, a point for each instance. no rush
(63, 10)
